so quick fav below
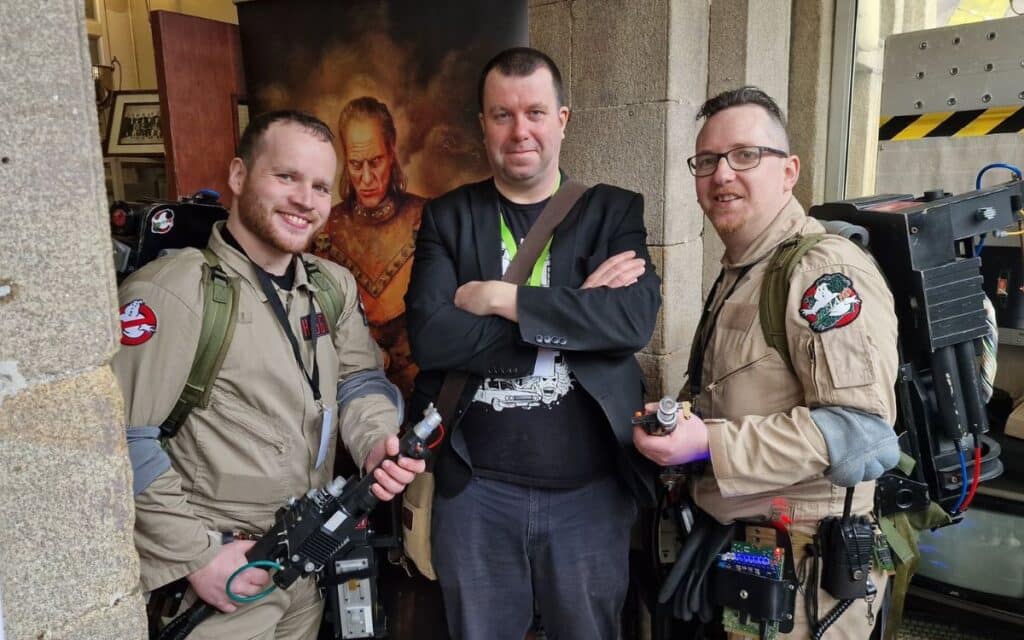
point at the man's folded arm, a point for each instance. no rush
(614, 320)
(445, 338)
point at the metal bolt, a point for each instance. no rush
(789, 616)
(309, 567)
(919, 75)
(296, 558)
(924, 44)
(986, 98)
(913, 230)
(918, 104)
(858, 574)
(951, 101)
(991, 35)
(956, 40)
(743, 594)
(989, 66)
(954, 70)
(1021, 95)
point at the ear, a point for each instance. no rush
(236, 176)
(563, 117)
(791, 173)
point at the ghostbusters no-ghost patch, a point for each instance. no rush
(831, 302)
(138, 323)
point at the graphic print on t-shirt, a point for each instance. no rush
(529, 391)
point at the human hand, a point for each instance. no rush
(487, 298)
(620, 270)
(209, 581)
(687, 443)
(392, 476)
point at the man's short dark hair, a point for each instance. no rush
(520, 62)
(743, 96)
(370, 108)
(258, 126)
(739, 97)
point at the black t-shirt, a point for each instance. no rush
(537, 431)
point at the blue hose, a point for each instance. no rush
(977, 185)
(963, 477)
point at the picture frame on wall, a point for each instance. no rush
(134, 127)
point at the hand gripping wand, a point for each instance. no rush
(310, 530)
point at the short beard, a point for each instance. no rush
(258, 222)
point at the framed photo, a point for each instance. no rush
(240, 109)
(134, 128)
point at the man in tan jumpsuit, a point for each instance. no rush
(781, 441)
(372, 231)
(271, 426)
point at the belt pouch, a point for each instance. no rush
(748, 591)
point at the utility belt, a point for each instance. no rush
(745, 573)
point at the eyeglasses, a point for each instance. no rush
(740, 159)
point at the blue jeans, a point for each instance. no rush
(498, 548)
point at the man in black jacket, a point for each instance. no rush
(538, 483)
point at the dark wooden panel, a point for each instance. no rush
(199, 69)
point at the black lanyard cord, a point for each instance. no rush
(275, 303)
(705, 328)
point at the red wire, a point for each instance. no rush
(439, 438)
(974, 481)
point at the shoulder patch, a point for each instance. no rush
(138, 323)
(831, 302)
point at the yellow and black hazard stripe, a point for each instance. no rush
(952, 124)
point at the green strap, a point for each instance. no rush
(536, 276)
(903, 531)
(220, 312)
(327, 293)
(775, 290)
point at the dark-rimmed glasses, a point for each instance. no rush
(740, 159)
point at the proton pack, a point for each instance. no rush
(144, 231)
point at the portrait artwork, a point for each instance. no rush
(396, 81)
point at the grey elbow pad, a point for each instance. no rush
(148, 458)
(366, 383)
(861, 446)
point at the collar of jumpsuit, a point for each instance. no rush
(245, 268)
(787, 222)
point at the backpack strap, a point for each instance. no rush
(775, 290)
(328, 292)
(220, 312)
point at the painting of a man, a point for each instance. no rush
(372, 231)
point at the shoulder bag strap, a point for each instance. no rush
(518, 271)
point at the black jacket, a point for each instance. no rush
(597, 330)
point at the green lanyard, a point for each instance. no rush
(511, 246)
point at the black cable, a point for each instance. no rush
(830, 618)
(180, 627)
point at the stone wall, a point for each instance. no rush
(67, 565)
(636, 73)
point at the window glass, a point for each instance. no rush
(876, 20)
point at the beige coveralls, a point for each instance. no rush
(256, 444)
(763, 443)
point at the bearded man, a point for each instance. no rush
(270, 427)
